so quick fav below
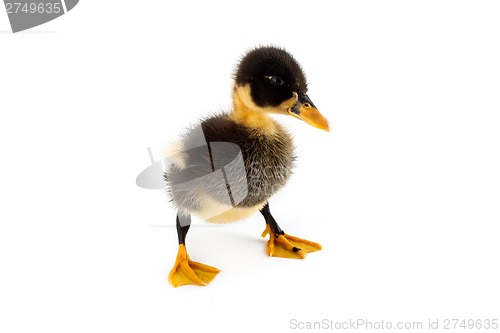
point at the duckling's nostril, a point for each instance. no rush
(307, 105)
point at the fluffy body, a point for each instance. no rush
(194, 179)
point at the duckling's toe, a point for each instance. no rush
(303, 244)
(287, 246)
(186, 271)
(281, 247)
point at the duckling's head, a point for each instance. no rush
(270, 80)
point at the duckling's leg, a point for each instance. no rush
(281, 244)
(186, 271)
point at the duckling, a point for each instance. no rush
(228, 167)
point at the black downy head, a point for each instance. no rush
(277, 82)
(273, 75)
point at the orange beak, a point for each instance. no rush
(305, 110)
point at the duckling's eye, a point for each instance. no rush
(276, 81)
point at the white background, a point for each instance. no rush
(403, 194)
